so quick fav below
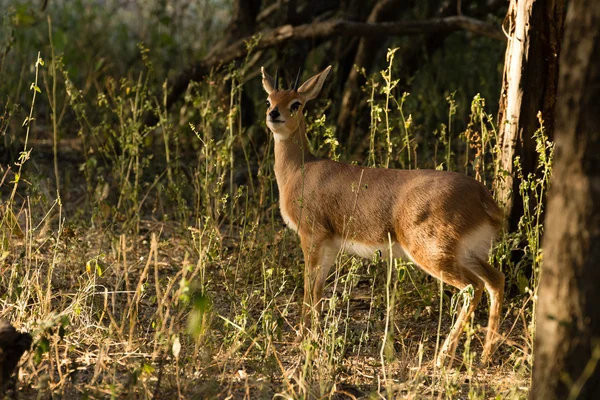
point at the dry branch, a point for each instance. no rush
(323, 30)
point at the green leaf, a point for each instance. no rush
(43, 346)
(148, 369)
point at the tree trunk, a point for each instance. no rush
(567, 347)
(529, 86)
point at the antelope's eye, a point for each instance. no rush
(268, 103)
(294, 107)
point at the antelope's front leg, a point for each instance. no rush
(318, 259)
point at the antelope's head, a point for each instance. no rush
(284, 107)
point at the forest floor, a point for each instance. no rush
(158, 309)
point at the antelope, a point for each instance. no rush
(444, 222)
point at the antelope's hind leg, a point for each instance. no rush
(494, 284)
(450, 271)
(465, 278)
(492, 280)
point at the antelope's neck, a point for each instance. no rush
(291, 154)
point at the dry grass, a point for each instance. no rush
(210, 312)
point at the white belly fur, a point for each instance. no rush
(288, 221)
(476, 245)
(367, 250)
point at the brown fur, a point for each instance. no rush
(436, 217)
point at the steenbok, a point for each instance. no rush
(444, 222)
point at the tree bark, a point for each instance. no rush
(567, 346)
(535, 29)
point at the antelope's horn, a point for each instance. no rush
(277, 78)
(297, 79)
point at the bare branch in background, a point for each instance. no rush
(323, 30)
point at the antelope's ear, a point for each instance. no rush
(311, 88)
(267, 81)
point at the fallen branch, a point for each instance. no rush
(323, 30)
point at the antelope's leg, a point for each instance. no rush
(319, 256)
(494, 284)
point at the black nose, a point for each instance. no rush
(274, 113)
